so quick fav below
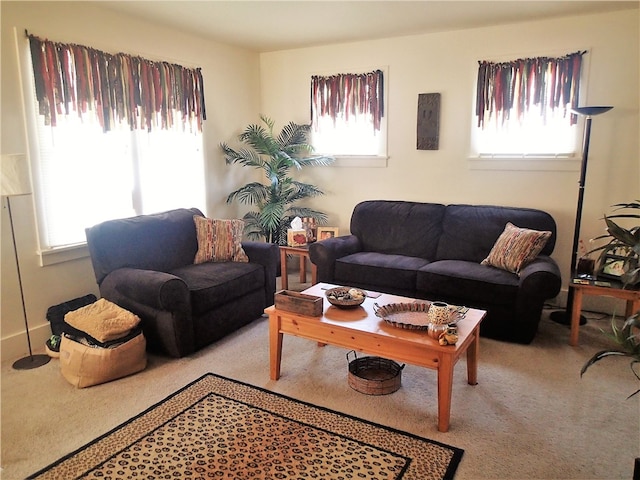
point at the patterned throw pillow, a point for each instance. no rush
(516, 247)
(219, 240)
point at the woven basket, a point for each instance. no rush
(339, 297)
(374, 375)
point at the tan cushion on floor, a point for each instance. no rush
(103, 320)
(83, 365)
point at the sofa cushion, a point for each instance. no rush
(478, 284)
(219, 240)
(470, 231)
(516, 247)
(160, 242)
(214, 283)
(398, 227)
(394, 271)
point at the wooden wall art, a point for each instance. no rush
(428, 121)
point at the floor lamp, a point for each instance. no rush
(15, 181)
(564, 317)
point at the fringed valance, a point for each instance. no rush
(348, 94)
(544, 82)
(116, 88)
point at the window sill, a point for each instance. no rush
(360, 161)
(565, 164)
(67, 253)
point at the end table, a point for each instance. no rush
(601, 288)
(303, 253)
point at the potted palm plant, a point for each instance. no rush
(628, 339)
(622, 246)
(277, 201)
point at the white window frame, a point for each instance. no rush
(379, 160)
(58, 254)
(568, 160)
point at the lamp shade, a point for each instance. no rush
(591, 111)
(14, 173)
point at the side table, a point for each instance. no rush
(303, 253)
(587, 287)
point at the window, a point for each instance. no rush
(347, 114)
(523, 107)
(104, 154)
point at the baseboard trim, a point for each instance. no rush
(15, 346)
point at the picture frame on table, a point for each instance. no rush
(612, 267)
(326, 232)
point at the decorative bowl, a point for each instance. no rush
(345, 297)
(414, 316)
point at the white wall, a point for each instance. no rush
(447, 63)
(232, 94)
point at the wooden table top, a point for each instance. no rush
(364, 319)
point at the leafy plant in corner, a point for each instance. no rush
(277, 200)
(628, 338)
(623, 243)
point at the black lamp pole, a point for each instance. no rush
(564, 317)
(32, 361)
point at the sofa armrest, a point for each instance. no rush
(163, 303)
(267, 255)
(158, 290)
(541, 278)
(323, 254)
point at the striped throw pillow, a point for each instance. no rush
(516, 247)
(219, 240)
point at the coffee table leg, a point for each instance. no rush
(445, 385)
(472, 359)
(275, 346)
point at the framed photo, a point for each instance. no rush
(327, 232)
(612, 266)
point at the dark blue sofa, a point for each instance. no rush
(145, 265)
(433, 251)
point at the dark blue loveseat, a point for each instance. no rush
(145, 265)
(433, 251)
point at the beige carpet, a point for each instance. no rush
(219, 428)
(531, 416)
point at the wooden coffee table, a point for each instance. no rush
(360, 329)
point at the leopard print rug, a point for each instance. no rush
(220, 428)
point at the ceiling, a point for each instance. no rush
(265, 25)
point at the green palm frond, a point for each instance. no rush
(316, 161)
(243, 156)
(252, 227)
(635, 204)
(294, 136)
(260, 139)
(621, 234)
(254, 193)
(320, 217)
(627, 338)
